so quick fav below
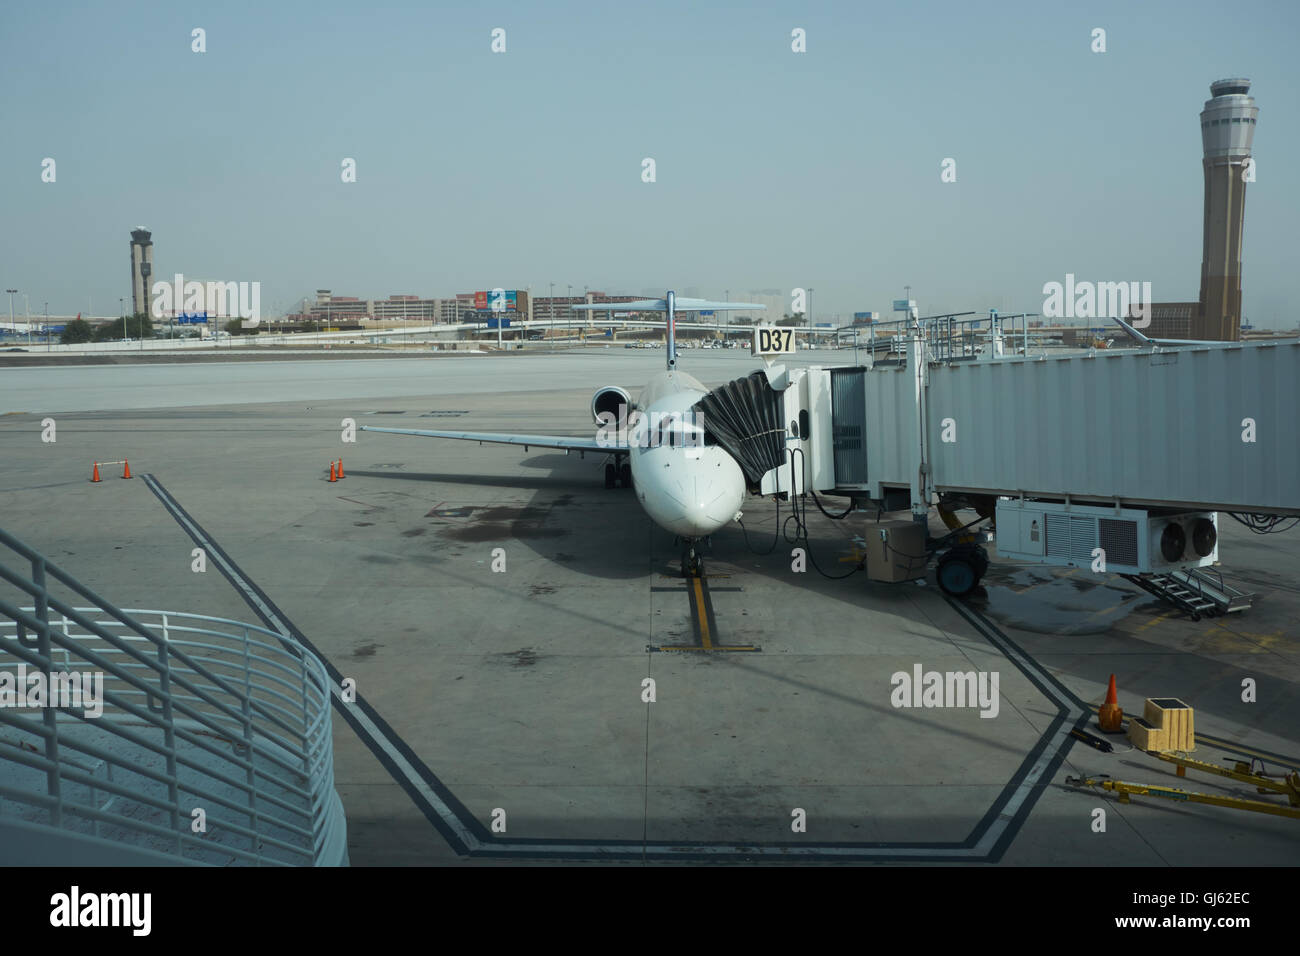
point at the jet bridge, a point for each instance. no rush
(1124, 454)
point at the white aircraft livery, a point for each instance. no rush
(686, 483)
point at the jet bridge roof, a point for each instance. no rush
(1203, 428)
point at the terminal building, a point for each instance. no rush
(337, 310)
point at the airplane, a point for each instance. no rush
(686, 484)
(1144, 340)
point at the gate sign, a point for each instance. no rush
(193, 318)
(773, 341)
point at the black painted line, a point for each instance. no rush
(467, 835)
(373, 730)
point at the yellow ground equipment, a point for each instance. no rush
(1287, 784)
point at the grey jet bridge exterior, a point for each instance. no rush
(1115, 459)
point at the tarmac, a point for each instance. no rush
(504, 712)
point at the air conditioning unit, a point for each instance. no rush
(1134, 540)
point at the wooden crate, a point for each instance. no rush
(1144, 736)
(1175, 718)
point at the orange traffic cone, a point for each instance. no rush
(126, 469)
(94, 475)
(333, 473)
(1110, 715)
(341, 475)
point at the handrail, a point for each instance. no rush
(198, 712)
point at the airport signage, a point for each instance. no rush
(773, 341)
(867, 317)
(497, 300)
(904, 305)
(192, 318)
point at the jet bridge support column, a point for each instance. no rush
(921, 483)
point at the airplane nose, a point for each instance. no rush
(699, 495)
(714, 503)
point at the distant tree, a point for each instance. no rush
(788, 320)
(76, 332)
(136, 326)
(235, 326)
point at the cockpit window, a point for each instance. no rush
(674, 433)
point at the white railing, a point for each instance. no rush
(204, 721)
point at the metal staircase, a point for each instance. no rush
(160, 738)
(1194, 591)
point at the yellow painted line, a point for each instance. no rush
(1154, 621)
(701, 613)
(1100, 612)
(688, 648)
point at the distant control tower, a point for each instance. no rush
(141, 268)
(1227, 131)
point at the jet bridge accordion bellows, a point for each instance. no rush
(744, 417)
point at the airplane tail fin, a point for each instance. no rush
(671, 305)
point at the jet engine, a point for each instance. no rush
(612, 400)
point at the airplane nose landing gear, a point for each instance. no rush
(692, 563)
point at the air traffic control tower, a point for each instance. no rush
(141, 268)
(1227, 130)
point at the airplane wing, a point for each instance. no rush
(1144, 340)
(528, 441)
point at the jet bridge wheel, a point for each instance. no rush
(959, 570)
(625, 474)
(611, 475)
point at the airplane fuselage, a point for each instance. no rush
(685, 486)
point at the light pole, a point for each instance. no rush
(12, 324)
(810, 292)
(27, 311)
(551, 307)
(47, 326)
(568, 311)
(145, 269)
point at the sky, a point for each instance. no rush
(773, 169)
